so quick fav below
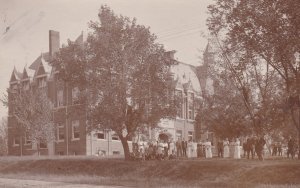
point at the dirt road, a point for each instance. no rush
(17, 183)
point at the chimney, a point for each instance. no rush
(53, 42)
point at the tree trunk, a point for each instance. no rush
(299, 142)
(125, 147)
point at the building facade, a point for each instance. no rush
(70, 118)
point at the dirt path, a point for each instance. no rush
(17, 183)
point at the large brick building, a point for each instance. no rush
(72, 137)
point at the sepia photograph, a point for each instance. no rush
(149, 93)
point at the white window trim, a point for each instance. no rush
(75, 97)
(57, 132)
(115, 140)
(14, 142)
(58, 102)
(96, 134)
(39, 80)
(25, 141)
(73, 125)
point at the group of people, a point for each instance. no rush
(228, 149)
(253, 146)
(277, 149)
(163, 150)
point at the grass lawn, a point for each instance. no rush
(178, 173)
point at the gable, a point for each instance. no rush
(25, 75)
(13, 77)
(40, 70)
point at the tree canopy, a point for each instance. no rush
(33, 111)
(266, 34)
(128, 76)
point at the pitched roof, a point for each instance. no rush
(79, 39)
(186, 73)
(15, 75)
(36, 62)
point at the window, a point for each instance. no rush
(75, 130)
(190, 135)
(26, 85)
(191, 106)
(180, 98)
(116, 152)
(115, 137)
(43, 145)
(27, 139)
(60, 133)
(42, 82)
(16, 141)
(100, 135)
(60, 153)
(60, 97)
(75, 95)
(179, 134)
(14, 86)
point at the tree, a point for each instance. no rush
(268, 30)
(125, 74)
(130, 75)
(33, 112)
(3, 137)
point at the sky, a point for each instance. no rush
(179, 25)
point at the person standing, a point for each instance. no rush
(189, 149)
(208, 153)
(291, 148)
(279, 149)
(179, 148)
(231, 148)
(220, 148)
(237, 149)
(184, 147)
(226, 148)
(259, 148)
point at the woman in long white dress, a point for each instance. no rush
(226, 148)
(189, 149)
(208, 153)
(237, 149)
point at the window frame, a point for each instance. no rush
(60, 97)
(75, 123)
(27, 141)
(190, 136)
(60, 126)
(41, 144)
(100, 132)
(115, 137)
(75, 95)
(42, 82)
(14, 141)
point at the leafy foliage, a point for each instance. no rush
(125, 74)
(3, 137)
(265, 34)
(33, 112)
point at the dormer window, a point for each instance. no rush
(191, 106)
(42, 82)
(14, 87)
(25, 85)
